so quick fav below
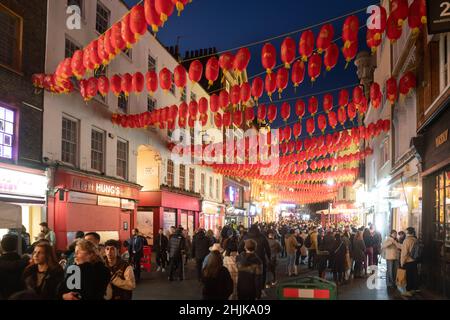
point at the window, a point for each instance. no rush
(217, 189)
(122, 102)
(182, 176)
(151, 63)
(444, 52)
(202, 185)
(151, 103)
(211, 187)
(78, 3)
(442, 209)
(97, 149)
(122, 158)
(69, 146)
(70, 48)
(183, 95)
(10, 39)
(170, 173)
(6, 133)
(128, 52)
(172, 88)
(192, 179)
(102, 20)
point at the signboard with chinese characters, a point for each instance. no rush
(438, 16)
(21, 183)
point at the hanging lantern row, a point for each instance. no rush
(416, 14)
(49, 83)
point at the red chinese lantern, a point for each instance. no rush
(313, 106)
(126, 33)
(235, 95)
(285, 111)
(300, 108)
(151, 15)
(407, 83)
(375, 95)
(386, 125)
(92, 88)
(165, 79)
(38, 80)
(288, 51)
(126, 84)
(342, 116)
(101, 50)
(191, 122)
(297, 129)
(287, 133)
(152, 82)
(257, 88)
(282, 80)
(350, 52)
(93, 55)
(268, 57)
(363, 106)
(173, 113)
(298, 73)
(193, 109)
(224, 99)
(399, 9)
(332, 119)
(314, 67)
(245, 92)
(284, 148)
(306, 44)
(110, 51)
(249, 115)
(272, 113)
(328, 103)
(350, 31)
(417, 15)
(116, 84)
(180, 4)
(241, 60)
(270, 85)
(393, 29)
(262, 112)
(117, 41)
(137, 82)
(325, 37)
(203, 119)
(212, 70)
(218, 120)
(237, 118)
(322, 123)
(78, 68)
(203, 105)
(103, 85)
(392, 90)
(331, 56)
(351, 110)
(343, 98)
(164, 8)
(226, 62)
(310, 126)
(179, 76)
(195, 71)
(357, 95)
(89, 66)
(138, 24)
(183, 110)
(214, 103)
(226, 119)
(372, 41)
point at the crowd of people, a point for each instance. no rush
(232, 263)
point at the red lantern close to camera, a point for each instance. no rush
(242, 60)
(350, 52)
(103, 85)
(164, 8)
(179, 77)
(350, 31)
(331, 56)
(237, 118)
(226, 119)
(195, 71)
(372, 41)
(203, 105)
(78, 68)
(151, 15)
(138, 24)
(399, 10)
(268, 57)
(288, 51)
(101, 50)
(325, 37)
(93, 55)
(393, 29)
(117, 41)
(126, 33)
(226, 62)
(407, 83)
(235, 95)
(306, 44)
(417, 15)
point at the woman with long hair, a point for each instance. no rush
(44, 276)
(217, 282)
(95, 276)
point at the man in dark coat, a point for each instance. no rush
(11, 267)
(160, 248)
(177, 245)
(262, 248)
(249, 286)
(136, 250)
(200, 249)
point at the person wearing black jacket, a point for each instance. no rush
(369, 243)
(45, 275)
(177, 247)
(136, 250)
(249, 286)
(262, 248)
(200, 249)
(217, 282)
(160, 245)
(11, 267)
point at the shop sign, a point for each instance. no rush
(442, 138)
(108, 202)
(438, 16)
(127, 204)
(22, 183)
(84, 198)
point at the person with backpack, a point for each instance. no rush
(409, 256)
(176, 250)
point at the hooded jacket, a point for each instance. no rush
(11, 270)
(249, 276)
(262, 244)
(200, 246)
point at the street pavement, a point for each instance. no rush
(156, 286)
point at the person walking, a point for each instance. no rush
(275, 250)
(216, 279)
(249, 272)
(298, 251)
(122, 281)
(44, 276)
(313, 247)
(368, 242)
(291, 248)
(390, 251)
(408, 261)
(176, 250)
(359, 254)
(376, 237)
(339, 253)
(136, 250)
(48, 233)
(229, 262)
(200, 249)
(160, 248)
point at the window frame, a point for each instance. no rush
(182, 177)
(122, 96)
(202, 184)
(102, 152)
(211, 185)
(17, 66)
(192, 179)
(170, 173)
(13, 142)
(150, 98)
(77, 140)
(104, 7)
(126, 160)
(154, 68)
(217, 189)
(444, 52)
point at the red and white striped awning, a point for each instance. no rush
(306, 293)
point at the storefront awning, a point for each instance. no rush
(10, 216)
